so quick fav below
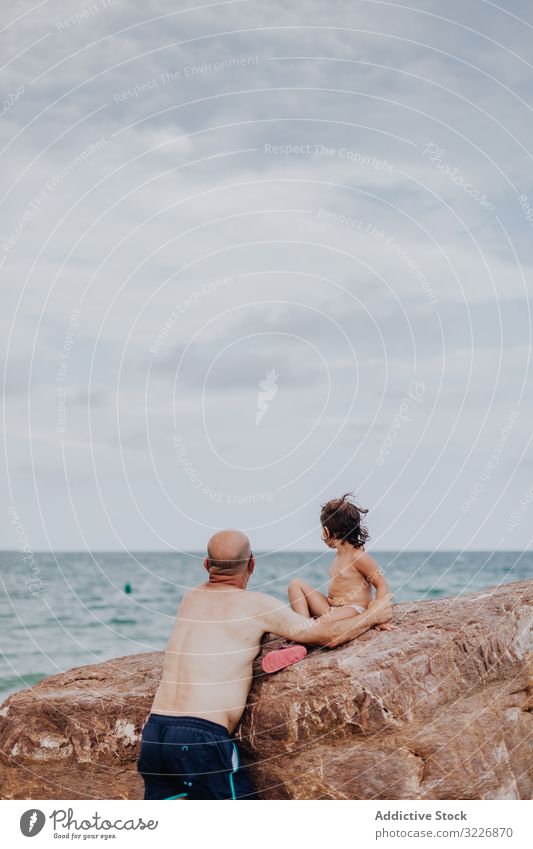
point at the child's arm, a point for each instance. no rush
(367, 566)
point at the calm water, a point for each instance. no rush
(84, 615)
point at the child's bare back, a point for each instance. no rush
(348, 585)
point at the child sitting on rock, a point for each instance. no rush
(353, 571)
(352, 575)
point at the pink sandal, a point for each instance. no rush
(279, 659)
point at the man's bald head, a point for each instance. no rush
(228, 552)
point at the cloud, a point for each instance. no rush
(151, 152)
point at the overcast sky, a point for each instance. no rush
(257, 254)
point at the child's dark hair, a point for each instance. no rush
(344, 521)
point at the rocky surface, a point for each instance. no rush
(440, 709)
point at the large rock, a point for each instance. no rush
(440, 709)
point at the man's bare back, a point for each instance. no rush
(207, 674)
(208, 661)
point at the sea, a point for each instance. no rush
(91, 607)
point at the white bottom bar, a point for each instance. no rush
(255, 825)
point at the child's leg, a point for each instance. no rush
(334, 614)
(305, 600)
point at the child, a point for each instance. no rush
(353, 571)
(352, 575)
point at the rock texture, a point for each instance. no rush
(440, 709)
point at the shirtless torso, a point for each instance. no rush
(347, 584)
(208, 663)
(207, 670)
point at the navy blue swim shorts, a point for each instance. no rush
(185, 757)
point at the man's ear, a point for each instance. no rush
(207, 564)
(251, 565)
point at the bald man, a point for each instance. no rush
(188, 750)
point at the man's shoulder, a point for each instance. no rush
(261, 603)
(260, 600)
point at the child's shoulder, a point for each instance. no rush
(361, 558)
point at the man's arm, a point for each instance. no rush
(280, 619)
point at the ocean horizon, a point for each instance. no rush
(88, 607)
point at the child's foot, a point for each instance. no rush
(281, 658)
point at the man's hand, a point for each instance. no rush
(280, 619)
(378, 612)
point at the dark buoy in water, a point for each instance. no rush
(127, 588)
